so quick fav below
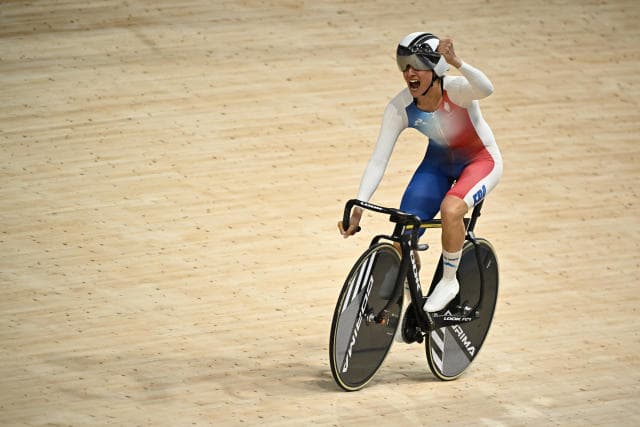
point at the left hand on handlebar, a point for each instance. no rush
(354, 223)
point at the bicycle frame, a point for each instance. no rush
(406, 233)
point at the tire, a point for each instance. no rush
(359, 343)
(451, 349)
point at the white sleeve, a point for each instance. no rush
(393, 122)
(473, 86)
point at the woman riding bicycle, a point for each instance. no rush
(462, 163)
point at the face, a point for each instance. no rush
(417, 80)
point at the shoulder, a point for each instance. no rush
(399, 103)
(402, 99)
(395, 113)
(453, 81)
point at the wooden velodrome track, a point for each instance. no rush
(172, 174)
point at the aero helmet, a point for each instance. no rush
(420, 51)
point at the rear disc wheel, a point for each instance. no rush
(451, 349)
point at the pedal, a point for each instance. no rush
(422, 247)
(466, 310)
(410, 330)
(387, 319)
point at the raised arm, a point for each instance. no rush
(473, 85)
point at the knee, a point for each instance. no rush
(453, 209)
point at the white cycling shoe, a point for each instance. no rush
(444, 292)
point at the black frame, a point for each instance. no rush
(406, 233)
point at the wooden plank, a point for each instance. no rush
(172, 173)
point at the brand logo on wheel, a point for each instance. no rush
(354, 336)
(464, 340)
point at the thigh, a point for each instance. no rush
(425, 192)
(478, 178)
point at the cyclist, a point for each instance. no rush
(462, 163)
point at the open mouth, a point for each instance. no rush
(414, 84)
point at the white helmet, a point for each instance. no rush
(420, 51)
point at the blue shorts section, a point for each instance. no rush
(430, 183)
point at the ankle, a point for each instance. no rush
(450, 262)
(448, 282)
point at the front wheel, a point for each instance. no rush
(451, 349)
(366, 317)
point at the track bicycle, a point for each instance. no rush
(369, 311)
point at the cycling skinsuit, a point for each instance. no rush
(461, 151)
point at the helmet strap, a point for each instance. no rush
(434, 78)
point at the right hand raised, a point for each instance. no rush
(354, 223)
